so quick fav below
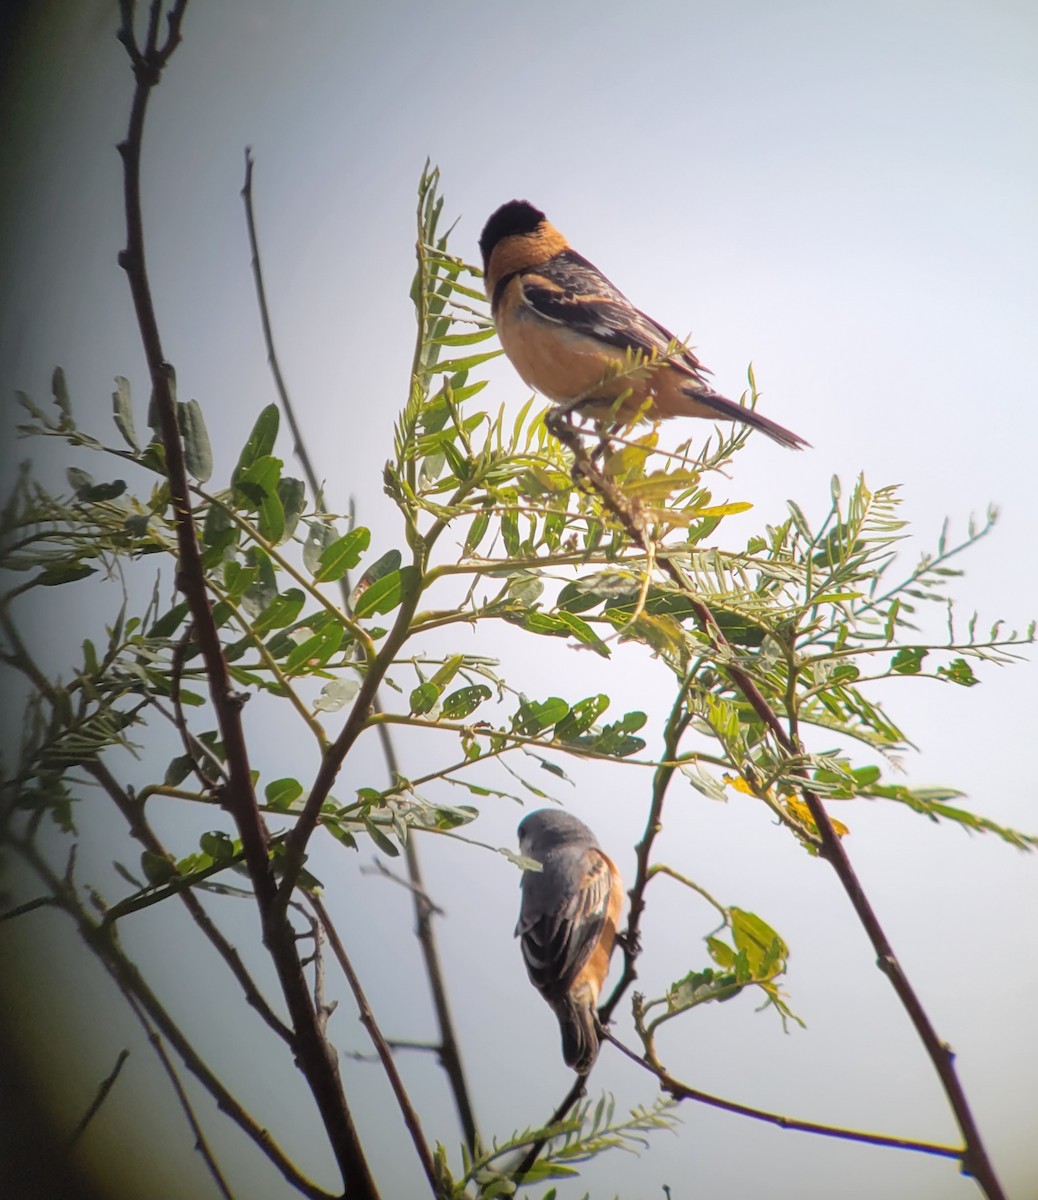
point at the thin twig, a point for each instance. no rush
(132, 984)
(367, 1018)
(450, 1053)
(525, 1164)
(315, 1057)
(142, 831)
(378, 867)
(681, 1091)
(677, 722)
(201, 1142)
(102, 1094)
(975, 1160)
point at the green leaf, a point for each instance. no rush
(169, 622)
(390, 561)
(478, 529)
(261, 593)
(261, 440)
(59, 388)
(198, 454)
(583, 632)
(386, 593)
(217, 845)
(280, 793)
(464, 339)
(65, 572)
(535, 715)
(100, 492)
(450, 365)
(336, 693)
(292, 494)
(282, 611)
(958, 671)
(380, 839)
(79, 481)
(424, 697)
(342, 555)
(315, 651)
(909, 661)
(464, 701)
(122, 411)
(581, 717)
(258, 483)
(319, 537)
(178, 770)
(157, 869)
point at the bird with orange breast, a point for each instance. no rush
(569, 332)
(567, 924)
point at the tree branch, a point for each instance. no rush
(315, 1057)
(681, 1091)
(367, 1018)
(975, 1159)
(101, 940)
(450, 1053)
(102, 1094)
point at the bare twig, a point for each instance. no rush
(378, 867)
(975, 1160)
(315, 1057)
(677, 723)
(102, 1094)
(29, 906)
(450, 1053)
(201, 1143)
(681, 1091)
(131, 983)
(367, 1017)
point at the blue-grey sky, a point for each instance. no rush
(842, 194)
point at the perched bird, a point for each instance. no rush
(567, 924)
(565, 328)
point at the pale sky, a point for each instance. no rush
(841, 194)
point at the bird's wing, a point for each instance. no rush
(563, 911)
(570, 291)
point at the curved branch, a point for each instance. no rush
(681, 1091)
(975, 1160)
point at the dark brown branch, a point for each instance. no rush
(575, 1093)
(314, 1056)
(101, 940)
(450, 1053)
(677, 723)
(975, 1159)
(102, 1094)
(681, 1091)
(367, 1018)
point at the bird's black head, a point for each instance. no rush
(515, 217)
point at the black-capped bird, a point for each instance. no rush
(567, 924)
(567, 329)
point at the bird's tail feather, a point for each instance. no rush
(728, 410)
(579, 1033)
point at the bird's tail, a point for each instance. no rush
(727, 410)
(579, 1032)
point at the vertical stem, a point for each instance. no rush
(314, 1055)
